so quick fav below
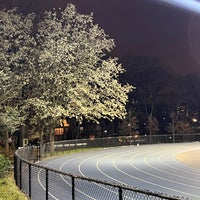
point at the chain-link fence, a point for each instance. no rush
(40, 182)
(69, 145)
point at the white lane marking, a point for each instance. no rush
(179, 163)
(44, 187)
(162, 178)
(167, 172)
(38, 176)
(81, 172)
(106, 175)
(149, 182)
(68, 181)
(85, 160)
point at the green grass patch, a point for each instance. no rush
(78, 150)
(72, 151)
(9, 190)
(4, 165)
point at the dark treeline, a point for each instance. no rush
(163, 101)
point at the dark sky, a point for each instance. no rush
(142, 28)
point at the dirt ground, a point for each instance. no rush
(191, 158)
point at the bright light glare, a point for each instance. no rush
(191, 5)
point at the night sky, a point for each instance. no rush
(141, 28)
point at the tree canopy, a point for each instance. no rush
(57, 64)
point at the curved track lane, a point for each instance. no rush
(148, 167)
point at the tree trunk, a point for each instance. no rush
(6, 143)
(21, 135)
(150, 128)
(41, 143)
(78, 130)
(173, 132)
(52, 142)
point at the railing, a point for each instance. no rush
(68, 145)
(40, 182)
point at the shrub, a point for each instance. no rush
(4, 164)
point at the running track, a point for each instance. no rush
(148, 167)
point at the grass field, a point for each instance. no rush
(8, 189)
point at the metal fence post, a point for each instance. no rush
(73, 188)
(120, 193)
(20, 174)
(29, 166)
(38, 154)
(47, 184)
(15, 170)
